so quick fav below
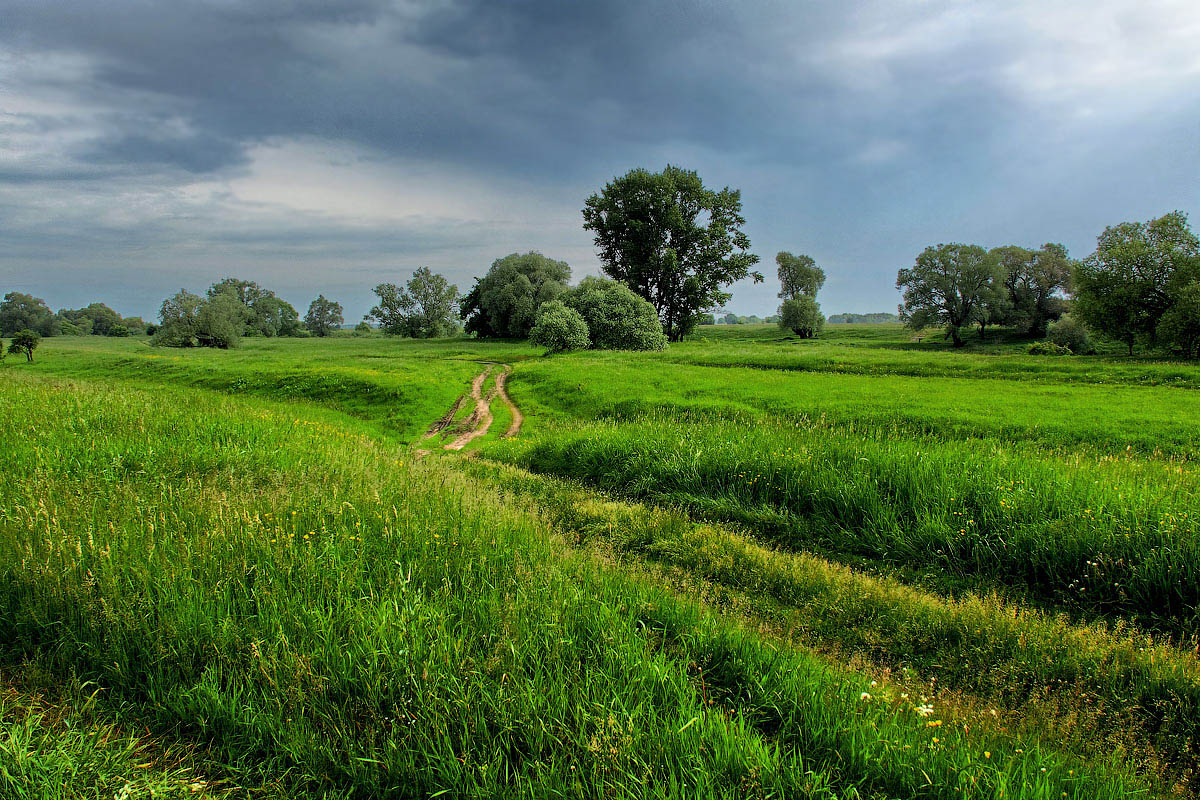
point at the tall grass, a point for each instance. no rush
(317, 612)
(1096, 686)
(1112, 535)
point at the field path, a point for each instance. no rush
(481, 419)
(517, 417)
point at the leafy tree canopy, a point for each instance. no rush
(617, 319)
(21, 312)
(946, 287)
(1032, 282)
(1137, 273)
(97, 318)
(26, 342)
(425, 309)
(220, 321)
(324, 316)
(798, 275)
(505, 301)
(264, 314)
(802, 316)
(559, 328)
(672, 241)
(1180, 325)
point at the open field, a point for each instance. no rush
(748, 566)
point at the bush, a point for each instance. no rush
(118, 330)
(1072, 334)
(559, 328)
(1048, 349)
(617, 319)
(802, 316)
(362, 329)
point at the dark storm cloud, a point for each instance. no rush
(859, 132)
(543, 86)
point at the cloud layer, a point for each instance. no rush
(322, 147)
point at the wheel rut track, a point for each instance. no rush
(480, 420)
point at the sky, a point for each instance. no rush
(317, 147)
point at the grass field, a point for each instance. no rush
(749, 566)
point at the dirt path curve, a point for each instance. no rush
(481, 418)
(517, 417)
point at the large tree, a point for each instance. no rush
(424, 309)
(265, 314)
(1139, 269)
(946, 287)
(323, 317)
(505, 301)
(20, 312)
(220, 321)
(97, 318)
(672, 241)
(798, 275)
(802, 316)
(1032, 284)
(177, 320)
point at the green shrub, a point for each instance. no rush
(559, 328)
(1070, 333)
(1048, 349)
(118, 330)
(617, 319)
(802, 316)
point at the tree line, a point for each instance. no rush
(1140, 286)
(669, 248)
(233, 308)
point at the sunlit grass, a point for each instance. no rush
(311, 606)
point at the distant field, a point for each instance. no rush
(750, 566)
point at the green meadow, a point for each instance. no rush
(860, 566)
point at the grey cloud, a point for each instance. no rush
(858, 132)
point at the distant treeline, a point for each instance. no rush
(863, 319)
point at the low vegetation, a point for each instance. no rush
(734, 579)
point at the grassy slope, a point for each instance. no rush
(981, 481)
(295, 597)
(1126, 695)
